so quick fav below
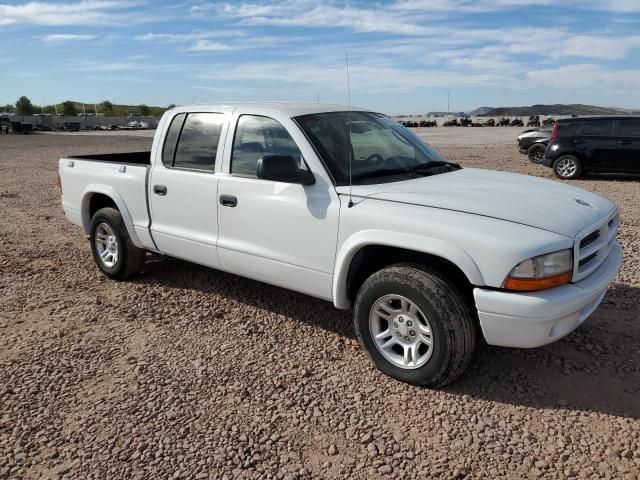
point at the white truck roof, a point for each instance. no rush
(291, 109)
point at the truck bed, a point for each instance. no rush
(130, 158)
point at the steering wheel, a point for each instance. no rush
(375, 159)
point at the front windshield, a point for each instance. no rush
(381, 149)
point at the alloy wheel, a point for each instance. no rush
(401, 331)
(106, 245)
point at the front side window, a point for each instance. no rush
(198, 143)
(380, 149)
(630, 127)
(256, 137)
(597, 128)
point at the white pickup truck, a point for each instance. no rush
(353, 208)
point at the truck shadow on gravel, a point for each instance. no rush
(595, 369)
(178, 274)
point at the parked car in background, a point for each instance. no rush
(71, 126)
(533, 143)
(5, 124)
(605, 144)
(349, 206)
(11, 124)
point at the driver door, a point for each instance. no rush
(280, 233)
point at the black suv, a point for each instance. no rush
(594, 144)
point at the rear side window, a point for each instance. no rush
(198, 143)
(569, 129)
(258, 136)
(630, 127)
(171, 139)
(597, 128)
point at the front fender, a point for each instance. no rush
(418, 243)
(110, 192)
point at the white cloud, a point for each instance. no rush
(586, 76)
(66, 37)
(364, 78)
(86, 12)
(598, 47)
(188, 37)
(209, 41)
(313, 14)
(133, 64)
(619, 6)
(209, 46)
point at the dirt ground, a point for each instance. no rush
(186, 372)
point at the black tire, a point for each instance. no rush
(561, 172)
(450, 317)
(130, 259)
(536, 152)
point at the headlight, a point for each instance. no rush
(544, 271)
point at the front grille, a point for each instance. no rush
(589, 239)
(586, 260)
(593, 246)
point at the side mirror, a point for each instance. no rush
(283, 168)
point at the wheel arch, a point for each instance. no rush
(368, 251)
(95, 197)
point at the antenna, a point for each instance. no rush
(350, 204)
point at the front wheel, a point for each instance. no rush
(114, 252)
(567, 167)
(536, 152)
(415, 325)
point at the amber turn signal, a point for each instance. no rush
(533, 284)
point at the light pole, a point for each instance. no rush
(448, 101)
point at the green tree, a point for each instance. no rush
(24, 106)
(171, 105)
(49, 109)
(7, 108)
(69, 108)
(106, 107)
(144, 110)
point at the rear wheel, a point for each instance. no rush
(567, 167)
(415, 325)
(114, 252)
(536, 152)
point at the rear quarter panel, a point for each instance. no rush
(124, 184)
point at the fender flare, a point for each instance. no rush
(418, 243)
(110, 192)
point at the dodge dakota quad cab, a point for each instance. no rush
(351, 207)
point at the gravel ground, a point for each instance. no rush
(186, 372)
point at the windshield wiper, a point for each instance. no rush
(435, 164)
(428, 168)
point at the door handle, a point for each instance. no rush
(159, 189)
(578, 141)
(228, 201)
(624, 142)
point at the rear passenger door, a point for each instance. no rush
(629, 144)
(183, 188)
(597, 140)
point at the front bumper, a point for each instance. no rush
(534, 319)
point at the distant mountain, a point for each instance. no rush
(556, 109)
(479, 112)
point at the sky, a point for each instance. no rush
(406, 56)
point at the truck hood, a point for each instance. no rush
(539, 203)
